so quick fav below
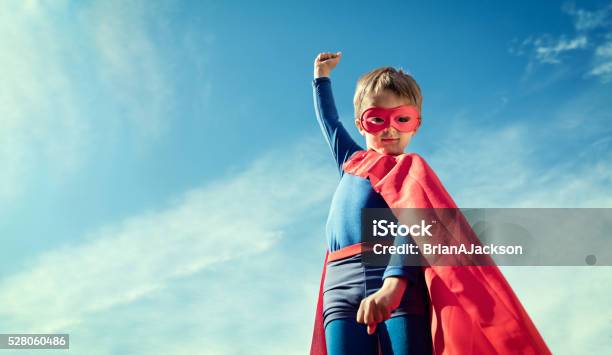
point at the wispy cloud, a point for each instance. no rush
(130, 61)
(567, 304)
(39, 110)
(602, 60)
(550, 52)
(592, 33)
(585, 20)
(231, 234)
(74, 77)
(512, 164)
(548, 49)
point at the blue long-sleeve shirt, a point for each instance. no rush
(353, 193)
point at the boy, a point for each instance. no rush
(368, 308)
(446, 309)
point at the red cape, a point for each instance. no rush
(473, 308)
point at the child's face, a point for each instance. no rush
(389, 140)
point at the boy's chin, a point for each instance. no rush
(389, 150)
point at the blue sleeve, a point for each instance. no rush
(408, 272)
(337, 137)
(403, 265)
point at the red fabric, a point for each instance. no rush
(390, 117)
(473, 308)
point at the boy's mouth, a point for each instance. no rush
(389, 140)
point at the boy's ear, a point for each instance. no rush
(359, 128)
(418, 127)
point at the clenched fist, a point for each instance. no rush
(377, 307)
(326, 62)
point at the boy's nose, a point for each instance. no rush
(390, 131)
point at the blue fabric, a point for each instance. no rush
(353, 193)
(348, 281)
(402, 335)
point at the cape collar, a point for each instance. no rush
(404, 180)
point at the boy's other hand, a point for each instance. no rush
(377, 307)
(326, 62)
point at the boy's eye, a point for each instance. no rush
(376, 120)
(403, 119)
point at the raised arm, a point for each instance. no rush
(339, 140)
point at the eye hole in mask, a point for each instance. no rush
(405, 118)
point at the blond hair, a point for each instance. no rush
(386, 78)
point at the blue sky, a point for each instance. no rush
(164, 182)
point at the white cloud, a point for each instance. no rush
(498, 165)
(588, 20)
(588, 25)
(604, 71)
(228, 234)
(548, 49)
(76, 77)
(602, 60)
(129, 60)
(567, 304)
(39, 112)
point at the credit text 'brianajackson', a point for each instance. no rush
(441, 249)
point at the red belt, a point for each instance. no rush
(348, 251)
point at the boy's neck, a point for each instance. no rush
(393, 154)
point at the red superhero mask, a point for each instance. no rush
(405, 118)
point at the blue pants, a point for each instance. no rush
(402, 335)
